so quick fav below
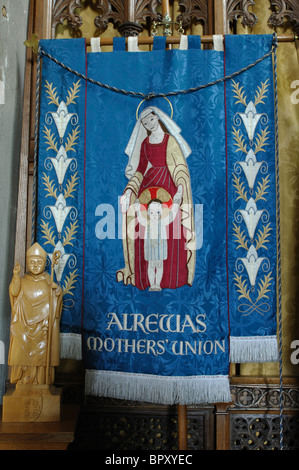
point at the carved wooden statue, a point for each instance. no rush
(36, 307)
(36, 303)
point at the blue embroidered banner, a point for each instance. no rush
(167, 236)
(252, 194)
(60, 180)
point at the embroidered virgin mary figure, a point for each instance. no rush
(156, 168)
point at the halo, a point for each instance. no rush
(155, 193)
(171, 108)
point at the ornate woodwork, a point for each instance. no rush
(193, 10)
(130, 17)
(251, 421)
(127, 16)
(107, 424)
(239, 9)
(285, 9)
(65, 10)
(260, 397)
(262, 432)
(255, 416)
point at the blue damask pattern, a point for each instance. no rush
(132, 336)
(252, 191)
(60, 173)
(200, 117)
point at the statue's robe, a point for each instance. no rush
(31, 308)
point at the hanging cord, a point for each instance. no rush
(278, 257)
(36, 133)
(151, 95)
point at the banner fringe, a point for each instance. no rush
(253, 349)
(158, 389)
(70, 346)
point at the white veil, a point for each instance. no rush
(139, 134)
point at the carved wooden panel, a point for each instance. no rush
(239, 9)
(261, 397)
(193, 10)
(127, 16)
(255, 420)
(65, 10)
(285, 9)
(262, 432)
(120, 425)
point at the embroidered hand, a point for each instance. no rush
(137, 205)
(125, 201)
(177, 199)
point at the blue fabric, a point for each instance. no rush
(194, 42)
(206, 168)
(184, 329)
(159, 43)
(253, 311)
(119, 44)
(52, 182)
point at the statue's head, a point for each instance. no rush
(36, 259)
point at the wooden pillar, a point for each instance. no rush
(39, 21)
(21, 219)
(222, 426)
(221, 26)
(165, 7)
(182, 427)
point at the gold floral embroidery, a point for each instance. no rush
(253, 290)
(63, 188)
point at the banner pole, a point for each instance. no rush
(181, 409)
(165, 7)
(55, 258)
(148, 40)
(182, 427)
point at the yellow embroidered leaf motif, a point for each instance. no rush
(50, 140)
(262, 237)
(73, 93)
(264, 287)
(52, 95)
(71, 140)
(239, 94)
(49, 186)
(261, 141)
(242, 288)
(48, 233)
(70, 186)
(70, 232)
(70, 283)
(242, 194)
(241, 147)
(240, 237)
(262, 189)
(261, 93)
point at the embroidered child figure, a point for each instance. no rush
(155, 239)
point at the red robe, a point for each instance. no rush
(175, 272)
